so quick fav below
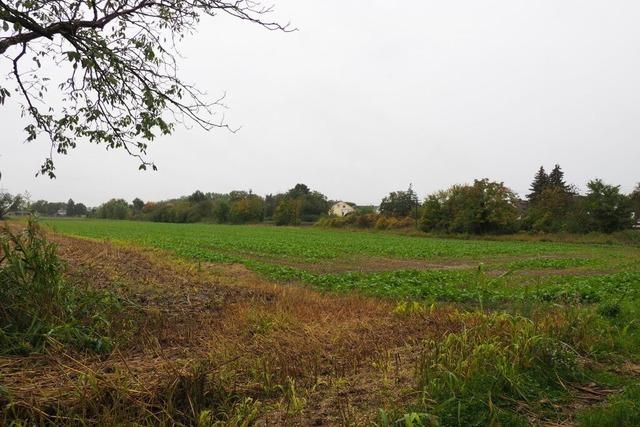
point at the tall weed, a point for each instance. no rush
(38, 306)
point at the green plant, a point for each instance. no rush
(472, 377)
(610, 309)
(294, 403)
(38, 305)
(621, 410)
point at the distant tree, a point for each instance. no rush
(163, 212)
(435, 215)
(238, 195)
(556, 179)
(138, 205)
(45, 208)
(71, 208)
(197, 197)
(270, 204)
(80, 209)
(484, 207)
(221, 211)
(114, 209)
(606, 208)
(39, 206)
(552, 203)
(298, 190)
(148, 207)
(553, 210)
(540, 182)
(399, 204)
(249, 209)
(287, 212)
(311, 205)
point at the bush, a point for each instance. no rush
(382, 223)
(38, 306)
(607, 209)
(287, 212)
(484, 207)
(367, 220)
(248, 209)
(114, 209)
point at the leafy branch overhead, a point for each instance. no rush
(121, 86)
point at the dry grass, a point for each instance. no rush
(309, 358)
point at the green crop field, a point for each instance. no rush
(389, 265)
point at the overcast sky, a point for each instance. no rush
(369, 96)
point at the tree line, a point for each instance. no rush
(552, 206)
(489, 207)
(297, 205)
(483, 207)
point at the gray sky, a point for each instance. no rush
(369, 96)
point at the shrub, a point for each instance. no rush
(382, 223)
(365, 220)
(610, 309)
(287, 212)
(406, 222)
(359, 220)
(38, 306)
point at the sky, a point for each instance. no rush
(367, 97)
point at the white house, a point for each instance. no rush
(341, 209)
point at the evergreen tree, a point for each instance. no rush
(540, 182)
(556, 179)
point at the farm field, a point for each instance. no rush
(257, 325)
(388, 265)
